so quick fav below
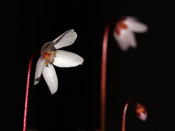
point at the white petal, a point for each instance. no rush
(38, 71)
(135, 25)
(50, 77)
(141, 112)
(125, 40)
(143, 116)
(66, 39)
(67, 59)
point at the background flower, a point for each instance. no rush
(124, 32)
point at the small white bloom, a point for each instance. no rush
(124, 32)
(51, 56)
(141, 112)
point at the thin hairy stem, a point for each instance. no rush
(27, 92)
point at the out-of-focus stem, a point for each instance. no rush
(103, 77)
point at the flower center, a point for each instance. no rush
(120, 25)
(49, 57)
(140, 109)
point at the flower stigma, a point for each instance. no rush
(49, 57)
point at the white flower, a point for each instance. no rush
(141, 112)
(59, 58)
(124, 32)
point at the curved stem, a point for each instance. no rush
(124, 113)
(27, 92)
(103, 77)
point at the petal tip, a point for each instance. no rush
(35, 83)
(53, 90)
(136, 25)
(82, 61)
(143, 116)
(146, 28)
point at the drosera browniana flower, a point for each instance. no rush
(141, 112)
(50, 55)
(124, 32)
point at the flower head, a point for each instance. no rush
(51, 56)
(141, 112)
(124, 32)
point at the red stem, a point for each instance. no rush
(27, 92)
(103, 77)
(124, 113)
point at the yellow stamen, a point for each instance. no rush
(49, 57)
(50, 52)
(54, 53)
(47, 63)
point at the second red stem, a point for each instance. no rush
(124, 113)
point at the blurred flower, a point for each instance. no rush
(124, 32)
(141, 112)
(59, 58)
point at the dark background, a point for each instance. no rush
(145, 73)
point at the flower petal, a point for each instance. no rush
(125, 40)
(38, 71)
(135, 25)
(141, 112)
(67, 59)
(50, 77)
(142, 116)
(66, 39)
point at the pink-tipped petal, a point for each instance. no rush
(143, 116)
(67, 59)
(135, 25)
(141, 112)
(50, 77)
(66, 39)
(38, 71)
(125, 40)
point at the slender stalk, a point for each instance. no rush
(103, 77)
(27, 92)
(124, 115)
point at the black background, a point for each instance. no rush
(145, 73)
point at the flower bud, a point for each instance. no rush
(141, 112)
